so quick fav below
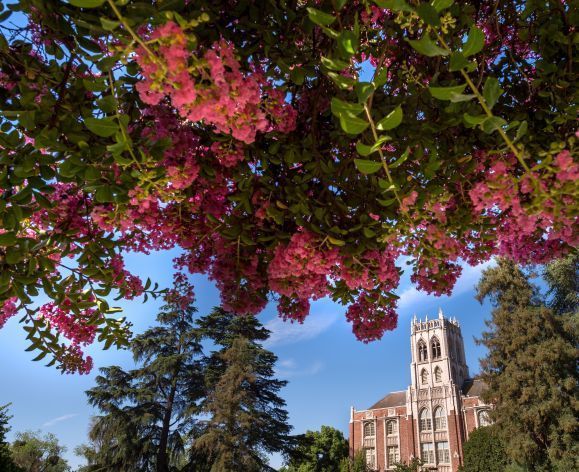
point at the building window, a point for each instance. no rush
(435, 345)
(483, 418)
(438, 374)
(393, 455)
(391, 428)
(424, 376)
(370, 458)
(425, 420)
(369, 434)
(422, 351)
(443, 452)
(427, 453)
(439, 418)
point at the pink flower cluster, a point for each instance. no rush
(7, 310)
(130, 285)
(211, 89)
(371, 316)
(533, 225)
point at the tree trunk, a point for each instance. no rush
(162, 456)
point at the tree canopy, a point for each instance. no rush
(531, 365)
(484, 452)
(33, 452)
(292, 150)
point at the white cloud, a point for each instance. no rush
(287, 332)
(59, 419)
(412, 299)
(289, 368)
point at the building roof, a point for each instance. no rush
(473, 387)
(391, 400)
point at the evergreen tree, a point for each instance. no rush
(562, 277)
(6, 462)
(247, 419)
(32, 452)
(148, 412)
(484, 452)
(531, 370)
(319, 451)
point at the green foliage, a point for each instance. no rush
(413, 466)
(6, 462)
(33, 452)
(319, 451)
(484, 452)
(148, 412)
(247, 419)
(531, 367)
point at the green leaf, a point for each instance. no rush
(427, 47)
(367, 167)
(474, 120)
(459, 97)
(445, 93)
(336, 242)
(352, 124)
(104, 194)
(109, 25)
(341, 81)
(474, 43)
(386, 203)
(429, 14)
(320, 18)
(340, 4)
(103, 127)
(363, 90)
(297, 75)
(86, 3)
(401, 159)
(364, 149)
(348, 42)
(391, 120)
(492, 91)
(440, 5)
(457, 61)
(493, 123)
(7, 239)
(395, 5)
(334, 64)
(340, 107)
(521, 131)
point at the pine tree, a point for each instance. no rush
(6, 462)
(148, 412)
(247, 419)
(531, 371)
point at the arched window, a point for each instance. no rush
(391, 427)
(422, 351)
(369, 429)
(425, 420)
(438, 374)
(439, 418)
(483, 418)
(424, 376)
(435, 348)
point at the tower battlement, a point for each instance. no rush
(417, 324)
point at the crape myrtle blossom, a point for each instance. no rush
(289, 154)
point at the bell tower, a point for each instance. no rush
(437, 352)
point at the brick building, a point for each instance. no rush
(433, 417)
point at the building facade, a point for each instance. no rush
(433, 417)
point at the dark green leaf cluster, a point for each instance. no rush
(531, 365)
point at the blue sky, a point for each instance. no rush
(327, 369)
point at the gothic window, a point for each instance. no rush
(369, 434)
(435, 347)
(439, 418)
(422, 351)
(483, 418)
(393, 455)
(438, 374)
(424, 376)
(443, 452)
(425, 420)
(427, 452)
(391, 427)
